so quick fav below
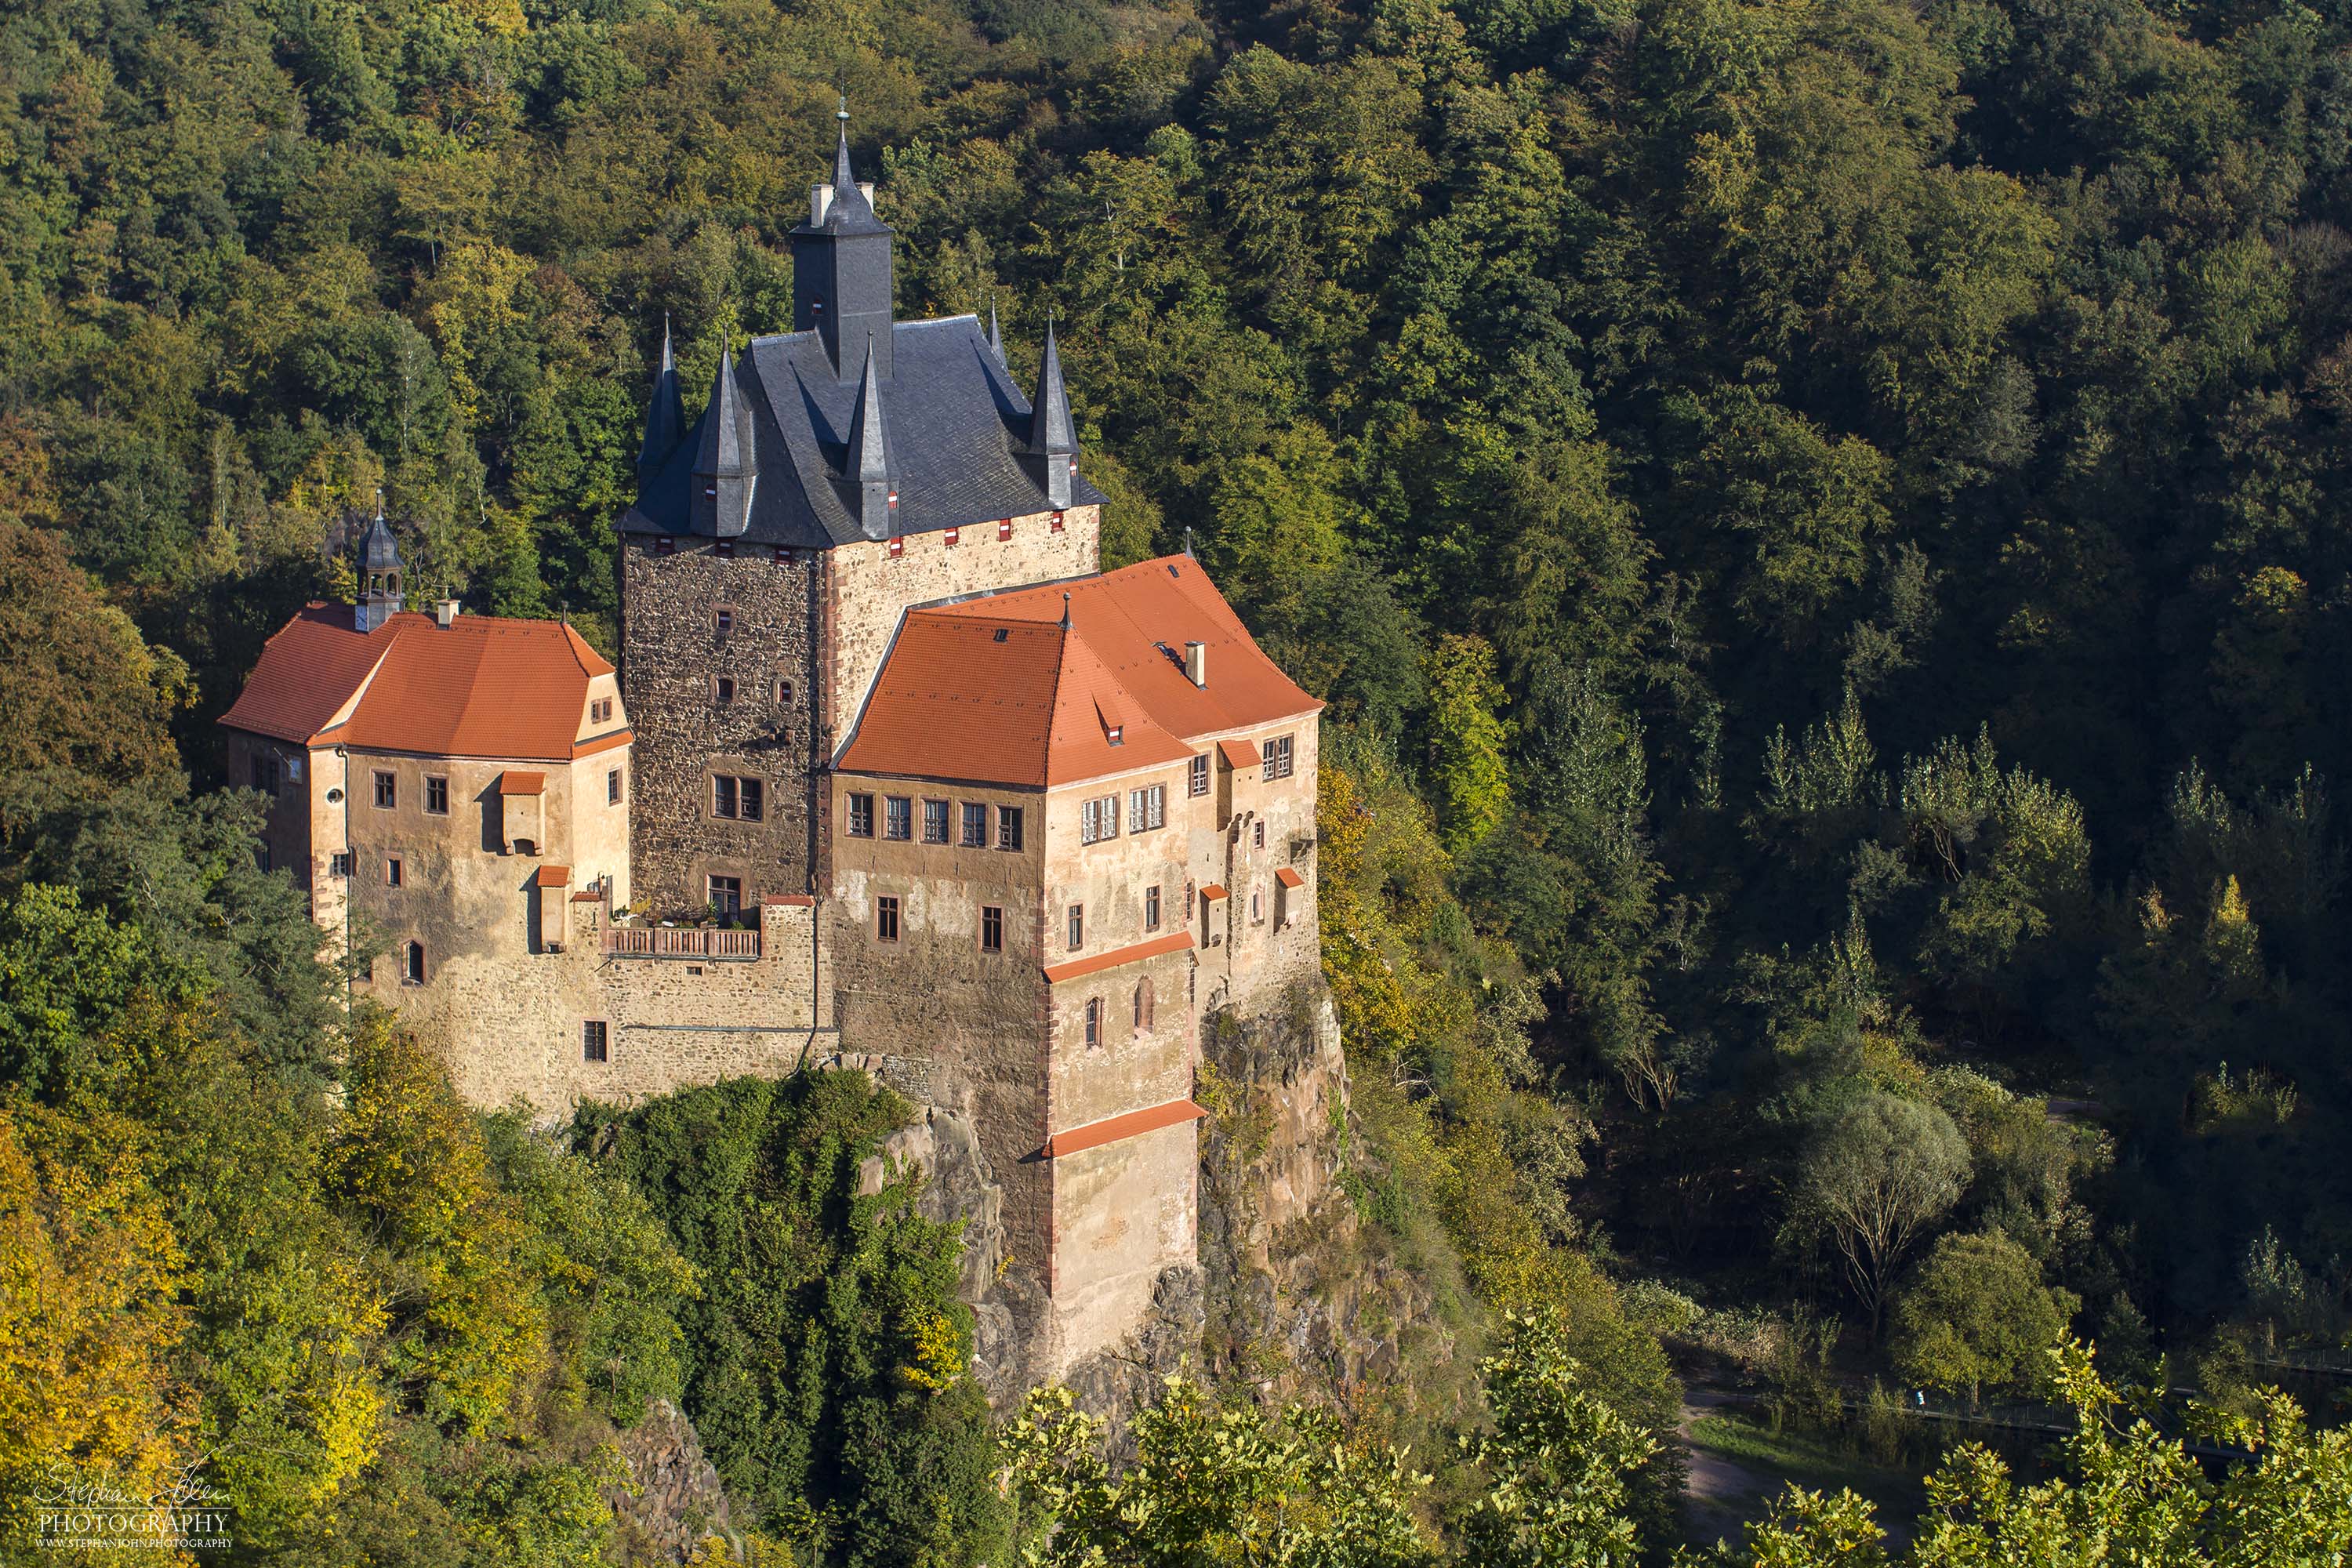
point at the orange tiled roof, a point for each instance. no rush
(480, 687)
(993, 690)
(1240, 754)
(1288, 877)
(554, 877)
(1111, 1129)
(515, 781)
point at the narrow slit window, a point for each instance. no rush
(992, 928)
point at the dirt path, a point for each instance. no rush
(1721, 1495)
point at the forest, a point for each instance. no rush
(1811, 518)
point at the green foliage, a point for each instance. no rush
(1977, 1315)
(825, 1359)
(1875, 1176)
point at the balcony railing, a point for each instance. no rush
(681, 941)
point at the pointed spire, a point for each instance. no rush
(666, 415)
(1065, 609)
(867, 455)
(996, 336)
(866, 464)
(1053, 442)
(850, 207)
(726, 465)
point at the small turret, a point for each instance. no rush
(726, 465)
(996, 338)
(868, 472)
(1052, 450)
(666, 418)
(380, 574)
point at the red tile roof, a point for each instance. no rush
(993, 690)
(554, 877)
(1212, 891)
(1095, 963)
(514, 780)
(480, 687)
(1288, 877)
(1240, 754)
(1111, 1129)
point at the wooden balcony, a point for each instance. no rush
(682, 942)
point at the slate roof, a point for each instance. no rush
(997, 689)
(959, 433)
(480, 687)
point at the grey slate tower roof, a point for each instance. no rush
(866, 468)
(666, 415)
(379, 552)
(996, 336)
(726, 456)
(1053, 444)
(783, 452)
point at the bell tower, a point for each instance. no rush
(379, 573)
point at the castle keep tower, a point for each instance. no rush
(838, 473)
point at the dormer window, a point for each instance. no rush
(1117, 734)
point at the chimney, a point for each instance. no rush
(444, 612)
(865, 189)
(820, 203)
(1196, 663)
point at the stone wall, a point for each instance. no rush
(673, 654)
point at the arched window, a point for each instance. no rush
(412, 964)
(1143, 1006)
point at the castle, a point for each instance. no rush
(892, 774)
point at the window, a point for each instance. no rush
(898, 817)
(783, 693)
(665, 546)
(723, 620)
(412, 964)
(1144, 1006)
(261, 857)
(976, 825)
(897, 548)
(992, 928)
(265, 774)
(724, 550)
(1196, 781)
(1098, 819)
(1151, 907)
(1094, 1022)
(600, 711)
(1004, 529)
(1257, 908)
(437, 796)
(1257, 834)
(1146, 808)
(1277, 758)
(935, 821)
(387, 791)
(726, 894)
(744, 799)
(723, 689)
(592, 1041)
(783, 556)
(612, 787)
(1008, 827)
(886, 919)
(861, 816)
(1117, 735)
(391, 871)
(1077, 926)
(340, 866)
(1057, 523)
(953, 534)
